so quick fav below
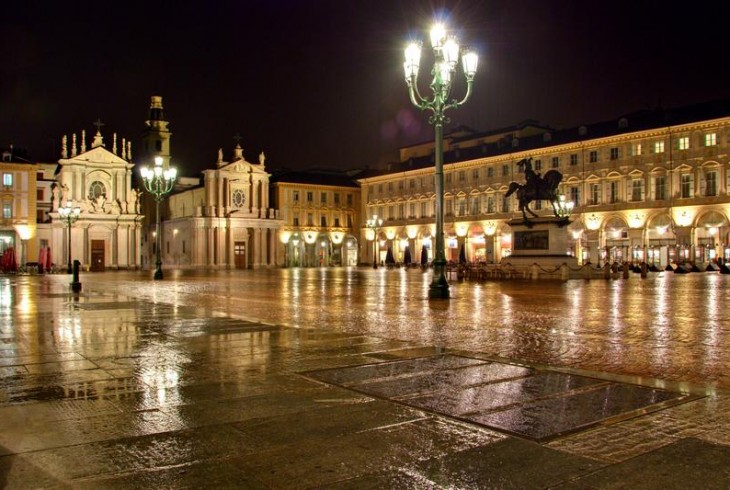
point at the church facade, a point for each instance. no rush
(98, 181)
(220, 221)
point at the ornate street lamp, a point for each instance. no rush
(374, 223)
(446, 52)
(158, 182)
(563, 208)
(69, 214)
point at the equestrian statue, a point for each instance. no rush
(535, 188)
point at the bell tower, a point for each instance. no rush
(156, 136)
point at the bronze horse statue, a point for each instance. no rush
(536, 188)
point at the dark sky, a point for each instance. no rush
(320, 82)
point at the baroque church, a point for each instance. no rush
(222, 221)
(98, 181)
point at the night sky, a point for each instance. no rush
(320, 82)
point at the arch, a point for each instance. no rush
(711, 219)
(659, 220)
(615, 223)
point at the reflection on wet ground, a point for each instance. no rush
(352, 379)
(671, 327)
(530, 403)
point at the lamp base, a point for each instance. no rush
(439, 288)
(158, 274)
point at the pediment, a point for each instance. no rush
(242, 166)
(96, 156)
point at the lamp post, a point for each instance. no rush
(69, 214)
(563, 208)
(374, 223)
(446, 52)
(158, 182)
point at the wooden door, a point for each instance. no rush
(239, 255)
(97, 255)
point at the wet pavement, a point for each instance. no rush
(308, 378)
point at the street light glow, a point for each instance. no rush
(446, 53)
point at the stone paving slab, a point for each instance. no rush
(687, 463)
(534, 404)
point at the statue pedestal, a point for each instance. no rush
(542, 242)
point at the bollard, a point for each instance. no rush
(534, 272)
(76, 284)
(644, 270)
(607, 271)
(564, 272)
(626, 271)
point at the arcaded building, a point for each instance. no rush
(650, 186)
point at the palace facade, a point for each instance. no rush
(320, 211)
(651, 186)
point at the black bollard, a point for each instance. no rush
(76, 284)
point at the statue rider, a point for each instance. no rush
(532, 178)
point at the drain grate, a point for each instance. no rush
(531, 403)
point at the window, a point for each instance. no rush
(711, 183)
(575, 195)
(349, 221)
(574, 159)
(424, 209)
(538, 164)
(474, 205)
(310, 196)
(475, 174)
(538, 204)
(412, 210)
(380, 188)
(614, 153)
(412, 184)
(448, 178)
(40, 216)
(323, 197)
(710, 139)
(505, 170)
(337, 198)
(593, 156)
(310, 219)
(636, 189)
(296, 221)
(505, 204)
(490, 172)
(490, 204)
(636, 149)
(239, 198)
(390, 187)
(595, 190)
(683, 143)
(659, 147)
(323, 221)
(462, 206)
(97, 189)
(337, 222)
(462, 176)
(158, 147)
(660, 188)
(39, 194)
(295, 196)
(391, 213)
(449, 207)
(613, 192)
(349, 200)
(401, 211)
(685, 186)
(183, 246)
(400, 185)
(556, 162)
